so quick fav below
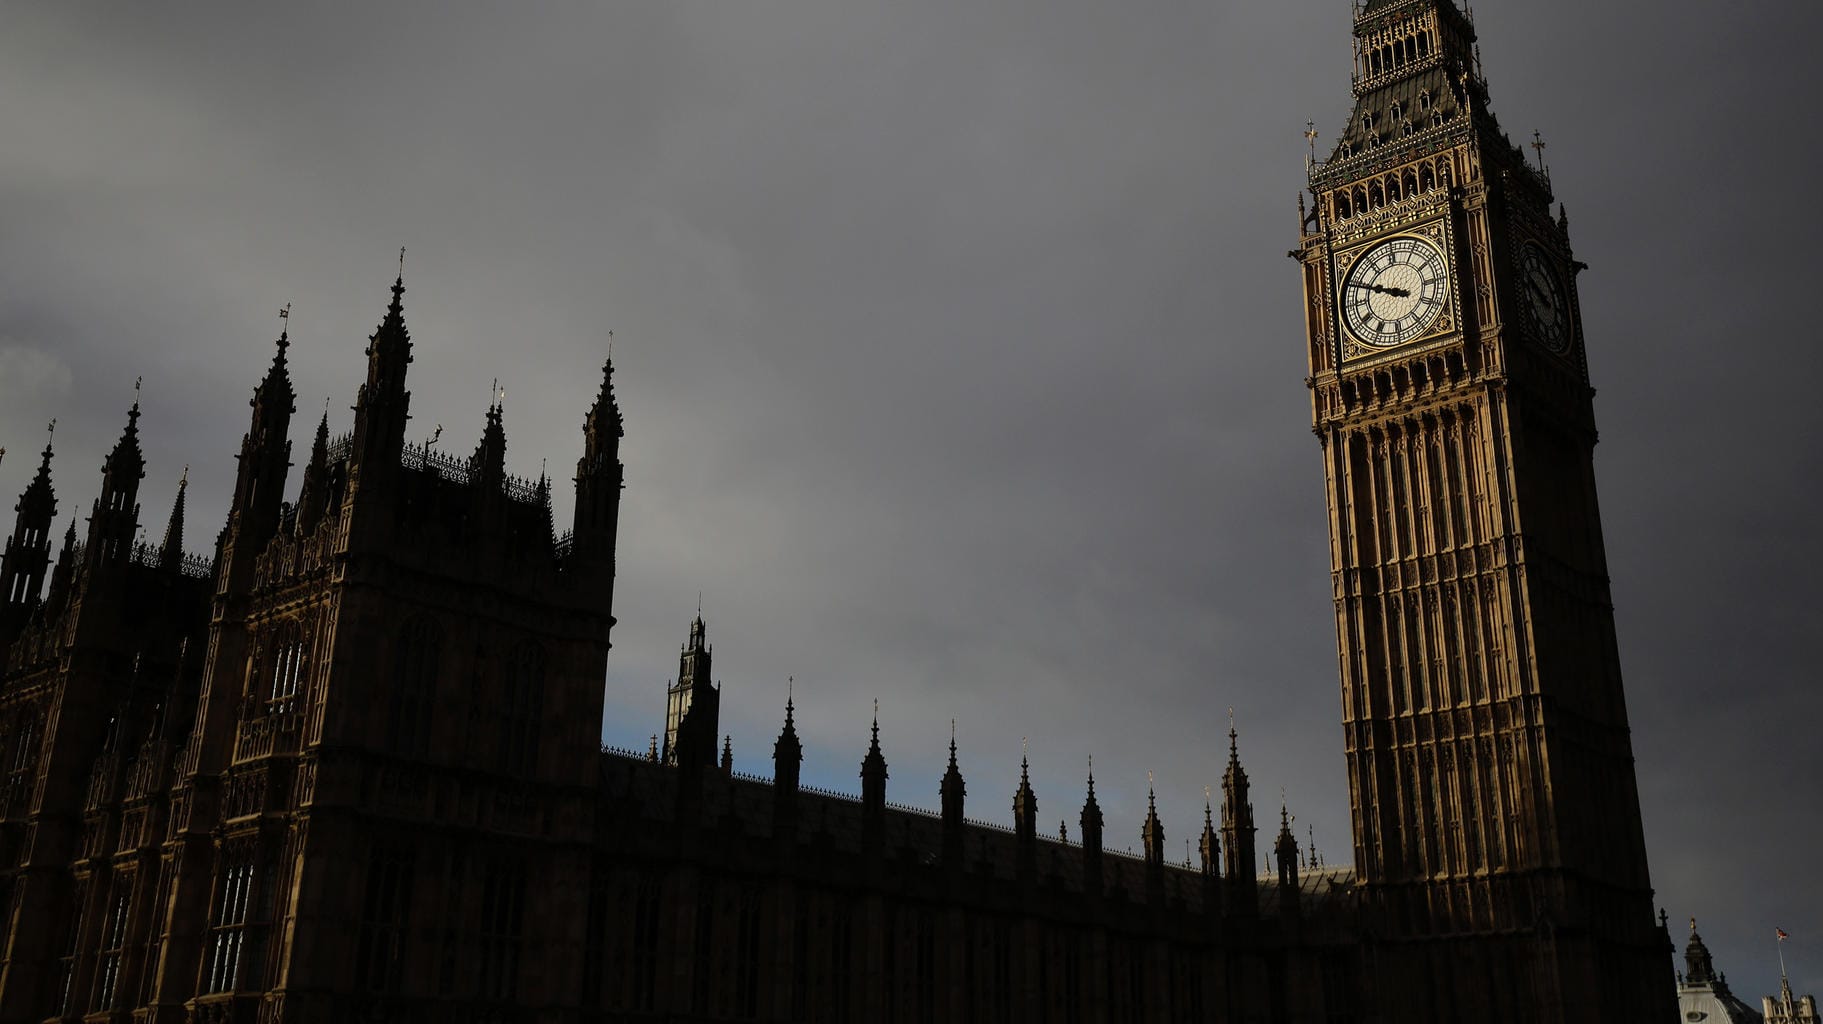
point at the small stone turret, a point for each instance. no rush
(1286, 850)
(873, 791)
(1025, 820)
(313, 494)
(259, 480)
(952, 792)
(1237, 834)
(1211, 848)
(114, 518)
(1091, 838)
(171, 552)
(382, 405)
(599, 478)
(28, 550)
(1152, 834)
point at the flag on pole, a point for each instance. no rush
(1781, 934)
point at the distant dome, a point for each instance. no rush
(1702, 994)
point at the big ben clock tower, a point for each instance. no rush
(1497, 838)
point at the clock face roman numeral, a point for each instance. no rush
(1394, 292)
(1543, 293)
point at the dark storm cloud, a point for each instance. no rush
(960, 358)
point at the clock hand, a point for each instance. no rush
(1400, 293)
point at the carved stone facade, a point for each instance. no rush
(1501, 860)
(347, 767)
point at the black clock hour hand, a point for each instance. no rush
(1399, 293)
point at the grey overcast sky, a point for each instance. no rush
(959, 352)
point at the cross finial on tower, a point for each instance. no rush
(1538, 145)
(1310, 136)
(401, 263)
(285, 328)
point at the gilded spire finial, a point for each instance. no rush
(1538, 145)
(285, 325)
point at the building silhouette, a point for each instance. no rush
(346, 766)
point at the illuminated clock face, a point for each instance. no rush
(1544, 296)
(1395, 292)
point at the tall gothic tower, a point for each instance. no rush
(1497, 836)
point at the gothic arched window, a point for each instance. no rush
(414, 686)
(524, 710)
(285, 666)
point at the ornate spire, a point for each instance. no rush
(171, 554)
(604, 428)
(1208, 844)
(488, 464)
(115, 515)
(873, 792)
(1238, 829)
(275, 391)
(1153, 833)
(952, 792)
(39, 490)
(28, 550)
(1287, 850)
(383, 405)
(264, 460)
(873, 765)
(313, 494)
(787, 752)
(1091, 821)
(1025, 808)
(599, 478)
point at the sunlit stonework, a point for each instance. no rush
(346, 765)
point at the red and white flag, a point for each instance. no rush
(1781, 934)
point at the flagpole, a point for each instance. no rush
(1781, 956)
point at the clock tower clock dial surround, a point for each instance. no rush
(1499, 854)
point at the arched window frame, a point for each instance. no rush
(523, 709)
(287, 657)
(416, 661)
